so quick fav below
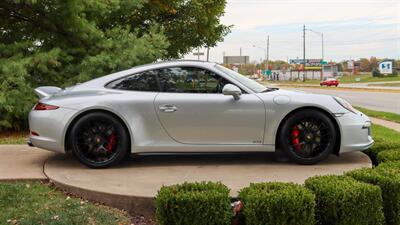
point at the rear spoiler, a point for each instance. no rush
(46, 91)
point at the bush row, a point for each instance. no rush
(325, 200)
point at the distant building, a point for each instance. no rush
(236, 59)
(330, 70)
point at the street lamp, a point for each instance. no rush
(322, 42)
(322, 39)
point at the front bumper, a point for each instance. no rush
(47, 128)
(355, 132)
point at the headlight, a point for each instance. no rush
(345, 104)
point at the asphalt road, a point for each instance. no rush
(381, 101)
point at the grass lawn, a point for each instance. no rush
(379, 114)
(385, 139)
(37, 203)
(13, 137)
(366, 78)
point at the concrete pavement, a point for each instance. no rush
(144, 175)
(389, 124)
(132, 185)
(22, 163)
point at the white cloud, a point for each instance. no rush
(356, 28)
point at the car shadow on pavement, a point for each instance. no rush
(211, 159)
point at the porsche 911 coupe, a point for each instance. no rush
(191, 106)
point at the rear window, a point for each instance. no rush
(145, 81)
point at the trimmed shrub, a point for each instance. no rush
(388, 156)
(278, 203)
(193, 203)
(389, 183)
(342, 200)
(376, 72)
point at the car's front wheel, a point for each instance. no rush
(99, 140)
(308, 136)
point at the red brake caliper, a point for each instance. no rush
(295, 138)
(112, 140)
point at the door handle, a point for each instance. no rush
(167, 108)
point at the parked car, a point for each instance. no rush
(153, 108)
(329, 82)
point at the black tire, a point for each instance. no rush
(99, 140)
(315, 133)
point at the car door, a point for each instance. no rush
(193, 110)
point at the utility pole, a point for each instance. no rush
(267, 56)
(322, 65)
(304, 53)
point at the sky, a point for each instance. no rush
(352, 29)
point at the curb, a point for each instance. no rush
(132, 204)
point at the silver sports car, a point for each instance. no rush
(191, 106)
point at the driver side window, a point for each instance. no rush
(190, 80)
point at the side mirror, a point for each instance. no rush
(230, 89)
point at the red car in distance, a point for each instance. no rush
(330, 82)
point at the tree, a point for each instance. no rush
(365, 66)
(187, 24)
(374, 63)
(62, 42)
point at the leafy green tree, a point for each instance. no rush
(62, 42)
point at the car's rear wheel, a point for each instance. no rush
(99, 140)
(308, 136)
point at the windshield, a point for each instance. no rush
(249, 83)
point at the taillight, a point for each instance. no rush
(42, 106)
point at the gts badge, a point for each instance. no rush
(257, 142)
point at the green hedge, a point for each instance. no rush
(389, 183)
(341, 200)
(388, 156)
(193, 203)
(278, 203)
(394, 166)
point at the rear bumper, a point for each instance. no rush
(355, 132)
(47, 128)
(29, 143)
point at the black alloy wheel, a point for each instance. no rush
(308, 136)
(99, 140)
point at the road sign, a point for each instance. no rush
(198, 53)
(386, 67)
